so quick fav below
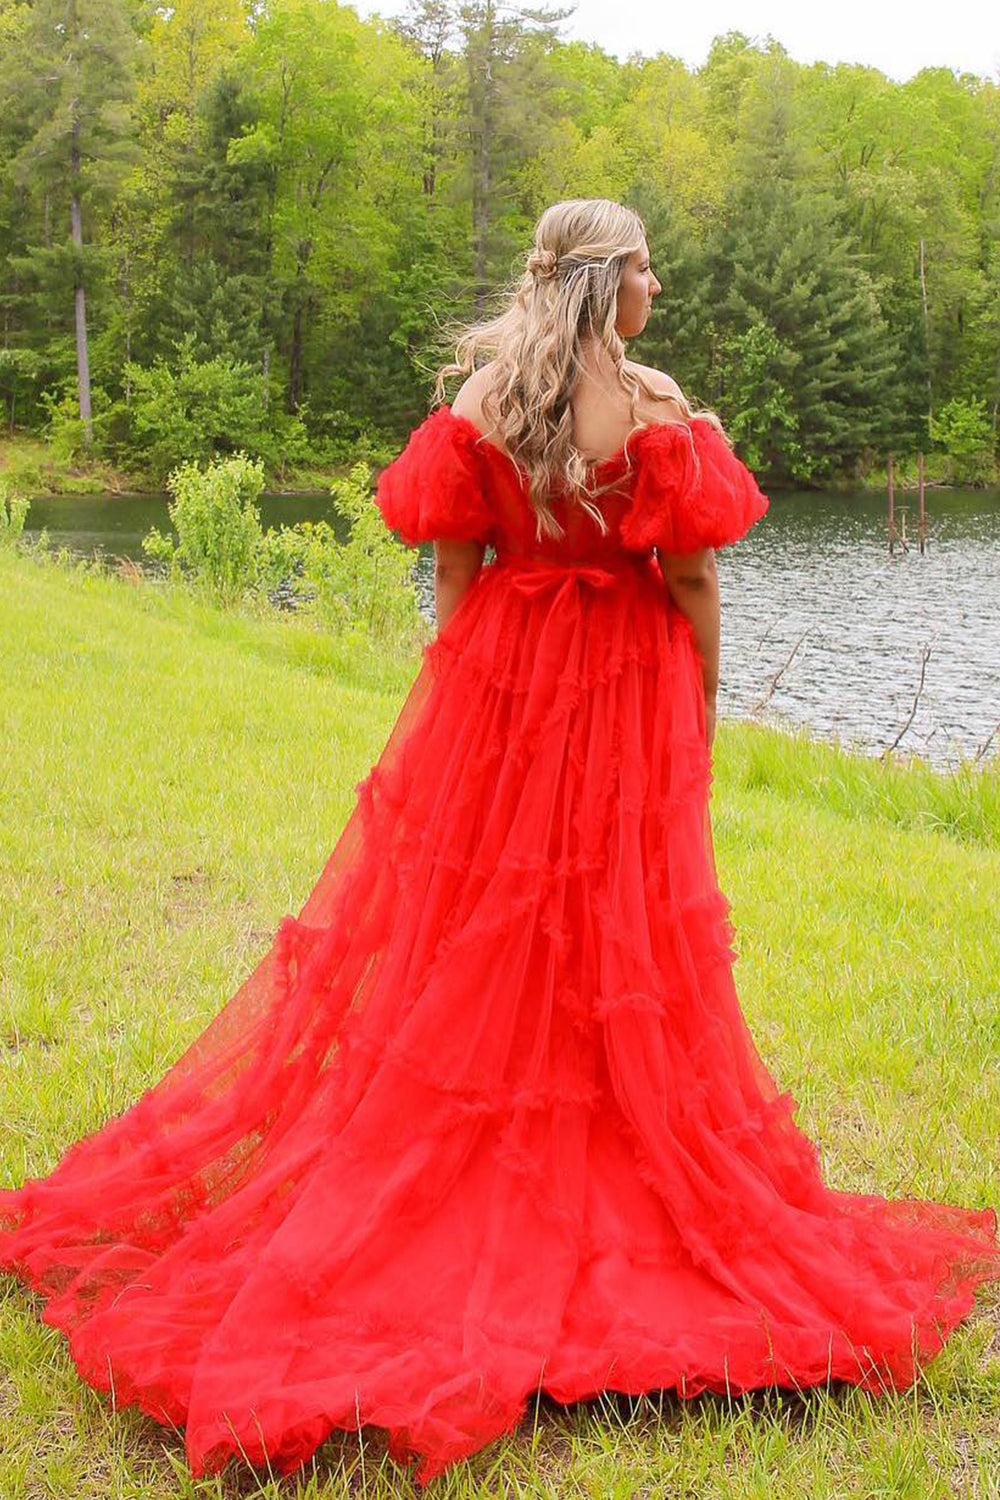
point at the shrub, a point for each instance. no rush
(196, 410)
(13, 511)
(758, 408)
(375, 569)
(24, 468)
(66, 439)
(219, 535)
(964, 430)
(359, 587)
(63, 426)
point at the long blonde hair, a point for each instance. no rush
(567, 292)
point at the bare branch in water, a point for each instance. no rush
(987, 742)
(924, 658)
(777, 676)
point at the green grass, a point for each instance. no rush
(33, 466)
(173, 780)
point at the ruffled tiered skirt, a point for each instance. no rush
(487, 1117)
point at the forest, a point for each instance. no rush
(231, 227)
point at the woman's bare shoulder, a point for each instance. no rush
(468, 401)
(663, 405)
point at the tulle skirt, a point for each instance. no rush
(486, 1118)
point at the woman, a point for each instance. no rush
(487, 1120)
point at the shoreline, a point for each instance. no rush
(823, 761)
(40, 473)
(33, 469)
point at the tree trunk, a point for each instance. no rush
(82, 356)
(303, 306)
(125, 294)
(295, 359)
(927, 329)
(483, 161)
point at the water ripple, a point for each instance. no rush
(817, 571)
(814, 575)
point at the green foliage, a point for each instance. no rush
(219, 533)
(13, 512)
(66, 143)
(757, 406)
(302, 200)
(680, 335)
(63, 427)
(337, 438)
(964, 430)
(375, 569)
(23, 467)
(19, 373)
(219, 313)
(828, 364)
(360, 587)
(195, 410)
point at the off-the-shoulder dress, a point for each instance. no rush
(487, 1118)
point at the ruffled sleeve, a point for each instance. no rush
(690, 491)
(436, 487)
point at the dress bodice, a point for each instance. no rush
(674, 487)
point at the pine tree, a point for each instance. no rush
(677, 335)
(71, 79)
(494, 36)
(217, 253)
(784, 263)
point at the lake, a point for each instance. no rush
(821, 627)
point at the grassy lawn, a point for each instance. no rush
(173, 780)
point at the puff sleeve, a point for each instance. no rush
(436, 487)
(691, 491)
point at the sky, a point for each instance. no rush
(897, 39)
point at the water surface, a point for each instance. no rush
(821, 627)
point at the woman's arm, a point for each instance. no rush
(694, 587)
(455, 566)
(457, 563)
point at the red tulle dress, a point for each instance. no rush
(486, 1119)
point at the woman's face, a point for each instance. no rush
(636, 291)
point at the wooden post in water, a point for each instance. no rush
(922, 524)
(892, 505)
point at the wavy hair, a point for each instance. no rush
(566, 293)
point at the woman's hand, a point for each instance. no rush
(709, 720)
(693, 584)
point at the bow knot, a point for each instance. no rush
(533, 576)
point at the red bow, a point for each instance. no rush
(535, 576)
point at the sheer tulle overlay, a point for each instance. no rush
(486, 1118)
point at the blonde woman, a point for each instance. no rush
(486, 1121)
